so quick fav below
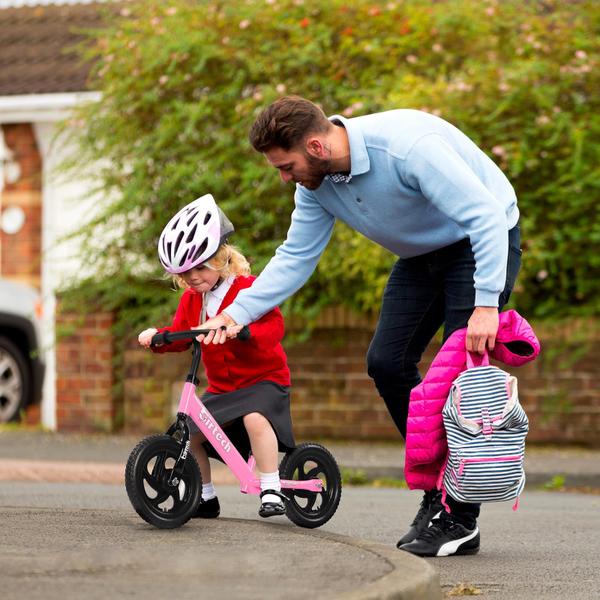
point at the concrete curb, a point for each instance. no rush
(409, 578)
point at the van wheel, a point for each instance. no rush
(14, 381)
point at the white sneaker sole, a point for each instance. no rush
(450, 548)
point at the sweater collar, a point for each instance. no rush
(359, 157)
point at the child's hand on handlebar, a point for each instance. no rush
(146, 337)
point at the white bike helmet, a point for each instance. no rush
(193, 235)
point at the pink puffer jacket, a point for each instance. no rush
(426, 445)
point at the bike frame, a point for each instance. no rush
(191, 406)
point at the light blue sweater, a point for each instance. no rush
(418, 184)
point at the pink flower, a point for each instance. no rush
(350, 110)
(499, 151)
(244, 24)
(581, 54)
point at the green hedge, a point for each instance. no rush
(183, 81)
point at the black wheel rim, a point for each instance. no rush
(153, 483)
(312, 504)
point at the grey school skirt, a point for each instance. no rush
(267, 398)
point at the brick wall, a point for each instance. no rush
(21, 252)
(85, 399)
(332, 394)
(152, 387)
(334, 397)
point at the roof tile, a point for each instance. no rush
(36, 48)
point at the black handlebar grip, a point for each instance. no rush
(244, 334)
(159, 338)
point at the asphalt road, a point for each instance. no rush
(548, 549)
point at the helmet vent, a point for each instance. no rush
(192, 217)
(175, 223)
(207, 217)
(168, 250)
(178, 241)
(201, 249)
(191, 235)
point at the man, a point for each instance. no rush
(418, 186)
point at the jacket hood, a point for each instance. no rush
(516, 343)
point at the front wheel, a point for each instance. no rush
(311, 461)
(147, 477)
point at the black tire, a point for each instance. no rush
(311, 461)
(146, 475)
(15, 381)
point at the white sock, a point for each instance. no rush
(208, 491)
(270, 481)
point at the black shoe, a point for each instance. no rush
(431, 507)
(445, 537)
(272, 509)
(208, 509)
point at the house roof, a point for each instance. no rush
(36, 48)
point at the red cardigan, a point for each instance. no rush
(235, 364)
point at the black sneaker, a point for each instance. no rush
(431, 507)
(208, 509)
(445, 537)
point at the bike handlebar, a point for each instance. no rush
(168, 337)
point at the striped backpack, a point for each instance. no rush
(486, 428)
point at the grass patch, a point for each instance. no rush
(16, 426)
(556, 484)
(359, 477)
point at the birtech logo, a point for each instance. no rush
(215, 430)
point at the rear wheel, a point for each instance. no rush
(311, 461)
(147, 477)
(14, 381)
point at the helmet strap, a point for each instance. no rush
(219, 282)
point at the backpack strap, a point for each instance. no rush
(477, 360)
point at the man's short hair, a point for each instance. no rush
(286, 123)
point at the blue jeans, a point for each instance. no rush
(422, 294)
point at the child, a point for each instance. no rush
(248, 381)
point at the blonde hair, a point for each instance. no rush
(228, 260)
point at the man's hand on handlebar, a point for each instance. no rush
(224, 328)
(146, 337)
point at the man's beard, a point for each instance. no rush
(318, 168)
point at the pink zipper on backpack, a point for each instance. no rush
(480, 460)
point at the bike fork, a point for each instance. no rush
(177, 471)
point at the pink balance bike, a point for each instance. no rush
(163, 480)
